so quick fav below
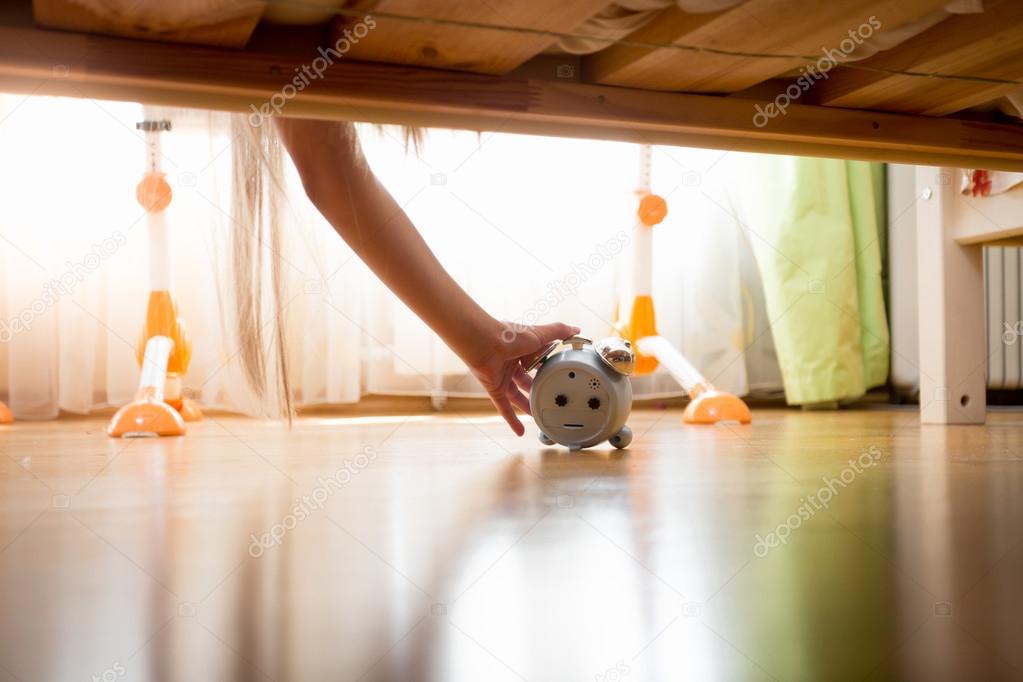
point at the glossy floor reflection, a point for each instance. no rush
(851, 545)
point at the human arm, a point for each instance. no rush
(342, 186)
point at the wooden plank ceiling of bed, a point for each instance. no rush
(450, 46)
(659, 82)
(755, 26)
(229, 23)
(988, 44)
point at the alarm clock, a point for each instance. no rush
(581, 393)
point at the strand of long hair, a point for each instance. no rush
(256, 243)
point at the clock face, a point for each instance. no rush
(572, 404)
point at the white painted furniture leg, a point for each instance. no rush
(953, 363)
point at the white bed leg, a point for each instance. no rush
(953, 363)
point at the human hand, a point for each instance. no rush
(497, 362)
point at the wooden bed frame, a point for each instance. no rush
(951, 230)
(679, 79)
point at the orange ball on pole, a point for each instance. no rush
(652, 210)
(153, 192)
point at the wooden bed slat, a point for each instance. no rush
(762, 26)
(989, 44)
(398, 41)
(948, 98)
(227, 23)
(77, 65)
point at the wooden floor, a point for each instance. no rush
(809, 546)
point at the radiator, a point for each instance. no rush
(1002, 289)
(1003, 294)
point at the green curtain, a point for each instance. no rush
(818, 228)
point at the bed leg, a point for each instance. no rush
(953, 362)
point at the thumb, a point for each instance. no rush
(555, 331)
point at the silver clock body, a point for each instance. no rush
(582, 396)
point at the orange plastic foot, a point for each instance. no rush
(5, 414)
(141, 418)
(713, 406)
(190, 411)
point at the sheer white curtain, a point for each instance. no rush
(516, 219)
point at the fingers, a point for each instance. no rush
(522, 380)
(555, 331)
(505, 409)
(519, 400)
